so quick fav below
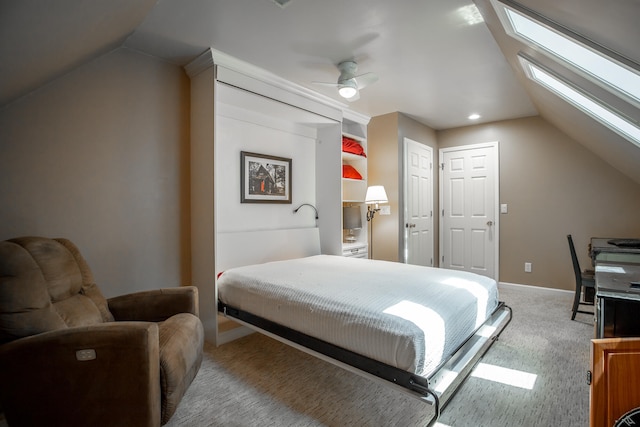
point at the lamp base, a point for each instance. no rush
(350, 237)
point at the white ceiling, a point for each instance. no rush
(433, 64)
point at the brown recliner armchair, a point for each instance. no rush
(70, 357)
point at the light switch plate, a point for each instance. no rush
(385, 210)
(503, 208)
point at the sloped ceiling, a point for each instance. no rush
(437, 60)
(41, 40)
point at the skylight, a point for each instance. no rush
(581, 100)
(606, 71)
(604, 68)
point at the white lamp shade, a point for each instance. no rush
(376, 194)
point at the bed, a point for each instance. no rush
(419, 329)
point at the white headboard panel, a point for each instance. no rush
(235, 249)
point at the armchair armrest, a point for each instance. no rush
(156, 305)
(67, 376)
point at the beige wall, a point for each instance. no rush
(385, 141)
(101, 156)
(553, 186)
(382, 169)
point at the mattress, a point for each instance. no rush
(409, 317)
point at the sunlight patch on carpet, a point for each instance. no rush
(506, 376)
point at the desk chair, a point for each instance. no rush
(584, 279)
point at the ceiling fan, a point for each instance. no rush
(349, 84)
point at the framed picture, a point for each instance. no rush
(264, 179)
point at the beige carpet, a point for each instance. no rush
(257, 381)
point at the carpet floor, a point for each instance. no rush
(258, 381)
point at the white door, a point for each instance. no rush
(418, 200)
(469, 188)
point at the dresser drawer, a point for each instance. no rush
(355, 251)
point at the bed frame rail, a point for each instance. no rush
(435, 390)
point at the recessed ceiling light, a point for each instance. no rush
(471, 14)
(474, 116)
(281, 3)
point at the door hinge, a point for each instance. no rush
(588, 377)
(442, 258)
(442, 166)
(442, 212)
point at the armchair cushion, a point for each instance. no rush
(46, 285)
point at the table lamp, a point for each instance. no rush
(351, 220)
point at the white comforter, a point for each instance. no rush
(407, 316)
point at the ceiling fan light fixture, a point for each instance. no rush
(347, 92)
(348, 89)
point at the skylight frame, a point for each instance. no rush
(571, 50)
(581, 99)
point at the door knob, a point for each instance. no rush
(489, 223)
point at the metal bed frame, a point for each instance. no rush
(436, 389)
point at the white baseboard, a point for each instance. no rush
(533, 287)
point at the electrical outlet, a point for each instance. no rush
(385, 210)
(527, 267)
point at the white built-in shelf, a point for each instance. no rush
(352, 157)
(358, 138)
(354, 190)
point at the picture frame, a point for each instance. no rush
(264, 178)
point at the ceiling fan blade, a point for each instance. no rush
(326, 84)
(366, 79)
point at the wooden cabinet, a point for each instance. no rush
(615, 379)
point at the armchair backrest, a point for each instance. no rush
(46, 284)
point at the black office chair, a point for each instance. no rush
(584, 279)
